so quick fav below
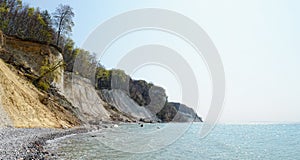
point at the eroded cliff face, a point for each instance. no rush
(122, 102)
(141, 99)
(176, 112)
(77, 101)
(83, 95)
(22, 105)
(31, 56)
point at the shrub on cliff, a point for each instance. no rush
(46, 76)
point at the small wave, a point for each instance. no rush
(60, 138)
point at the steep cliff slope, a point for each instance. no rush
(176, 112)
(122, 102)
(30, 57)
(22, 105)
(118, 98)
(141, 99)
(83, 95)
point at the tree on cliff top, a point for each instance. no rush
(23, 21)
(63, 20)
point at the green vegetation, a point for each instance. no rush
(103, 78)
(25, 22)
(34, 24)
(46, 75)
(43, 85)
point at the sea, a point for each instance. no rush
(177, 141)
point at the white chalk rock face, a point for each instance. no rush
(83, 95)
(125, 104)
(58, 78)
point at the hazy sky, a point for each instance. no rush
(258, 41)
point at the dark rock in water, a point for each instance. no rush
(142, 125)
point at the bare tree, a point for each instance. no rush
(63, 20)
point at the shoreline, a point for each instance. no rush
(28, 143)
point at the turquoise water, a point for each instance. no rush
(227, 142)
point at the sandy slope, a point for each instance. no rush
(21, 104)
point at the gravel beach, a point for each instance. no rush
(17, 143)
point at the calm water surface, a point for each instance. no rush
(227, 142)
